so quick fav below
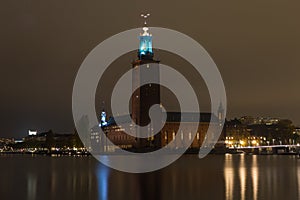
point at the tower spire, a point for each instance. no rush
(103, 121)
(145, 47)
(221, 112)
(145, 16)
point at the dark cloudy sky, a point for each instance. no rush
(255, 44)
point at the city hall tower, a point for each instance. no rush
(145, 68)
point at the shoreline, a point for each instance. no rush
(172, 152)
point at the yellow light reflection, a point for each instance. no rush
(254, 174)
(298, 179)
(243, 176)
(229, 177)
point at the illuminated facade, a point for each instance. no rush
(117, 135)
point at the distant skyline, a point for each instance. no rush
(255, 45)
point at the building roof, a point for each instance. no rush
(172, 117)
(190, 117)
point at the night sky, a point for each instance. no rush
(255, 44)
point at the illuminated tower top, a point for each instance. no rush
(145, 48)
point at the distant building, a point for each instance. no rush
(239, 134)
(250, 131)
(32, 132)
(249, 120)
(297, 131)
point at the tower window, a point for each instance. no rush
(166, 136)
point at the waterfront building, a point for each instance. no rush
(260, 131)
(142, 99)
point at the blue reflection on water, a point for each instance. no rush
(102, 179)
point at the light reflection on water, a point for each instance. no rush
(298, 179)
(102, 178)
(261, 177)
(243, 176)
(31, 186)
(254, 176)
(226, 177)
(229, 176)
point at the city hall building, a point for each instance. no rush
(142, 99)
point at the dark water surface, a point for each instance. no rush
(214, 177)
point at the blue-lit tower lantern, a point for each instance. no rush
(145, 48)
(103, 118)
(103, 121)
